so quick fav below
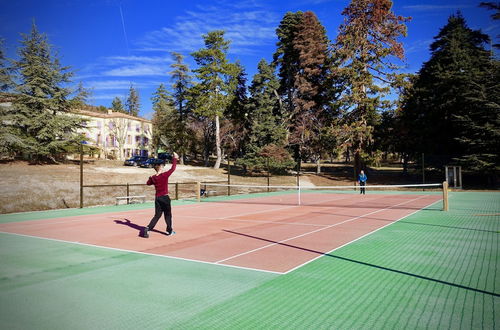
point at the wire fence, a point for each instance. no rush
(106, 194)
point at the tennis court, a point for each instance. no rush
(318, 259)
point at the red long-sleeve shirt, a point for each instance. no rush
(160, 181)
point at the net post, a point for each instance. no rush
(445, 196)
(228, 176)
(198, 191)
(128, 193)
(81, 175)
(300, 201)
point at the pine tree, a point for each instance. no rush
(454, 103)
(117, 105)
(235, 128)
(365, 43)
(217, 79)
(42, 103)
(5, 74)
(132, 105)
(181, 85)
(311, 44)
(267, 131)
(165, 121)
(286, 59)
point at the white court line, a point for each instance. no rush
(218, 262)
(315, 231)
(284, 222)
(140, 252)
(391, 223)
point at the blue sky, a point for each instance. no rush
(108, 53)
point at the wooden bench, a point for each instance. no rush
(129, 198)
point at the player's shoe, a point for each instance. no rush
(170, 233)
(145, 232)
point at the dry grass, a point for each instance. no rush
(25, 187)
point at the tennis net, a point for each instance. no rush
(319, 195)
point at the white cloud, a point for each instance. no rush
(427, 7)
(138, 59)
(418, 45)
(98, 85)
(246, 26)
(107, 96)
(137, 70)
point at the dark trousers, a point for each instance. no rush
(362, 189)
(162, 205)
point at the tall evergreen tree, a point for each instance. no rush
(267, 130)
(10, 140)
(42, 103)
(133, 104)
(236, 128)
(165, 121)
(5, 74)
(181, 85)
(454, 105)
(366, 42)
(217, 79)
(286, 59)
(311, 45)
(117, 105)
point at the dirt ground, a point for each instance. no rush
(25, 187)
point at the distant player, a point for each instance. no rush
(362, 181)
(162, 200)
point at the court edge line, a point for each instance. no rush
(367, 234)
(218, 262)
(143, 253)
(315, 231)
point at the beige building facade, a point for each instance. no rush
(117, 135)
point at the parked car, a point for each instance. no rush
(135, 160)
(150, 162)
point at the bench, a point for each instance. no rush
(129, 198)
(204, 192)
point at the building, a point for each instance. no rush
(113, 135)
(117, 135)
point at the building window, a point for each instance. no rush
(137, 128)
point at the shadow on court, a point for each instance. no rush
(367, 264)
(139, 228)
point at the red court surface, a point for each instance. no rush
(258, 233)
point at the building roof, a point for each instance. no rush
(111, 114)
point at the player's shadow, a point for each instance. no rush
(128, 223)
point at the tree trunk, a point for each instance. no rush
(405, 164)
(358, 164)
(181, 160)
(318, 165)
(217, 143)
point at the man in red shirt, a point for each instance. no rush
(162, 201)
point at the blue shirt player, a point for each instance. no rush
(362, 181)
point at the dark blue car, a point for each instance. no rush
(150, 162)
(134, 161)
